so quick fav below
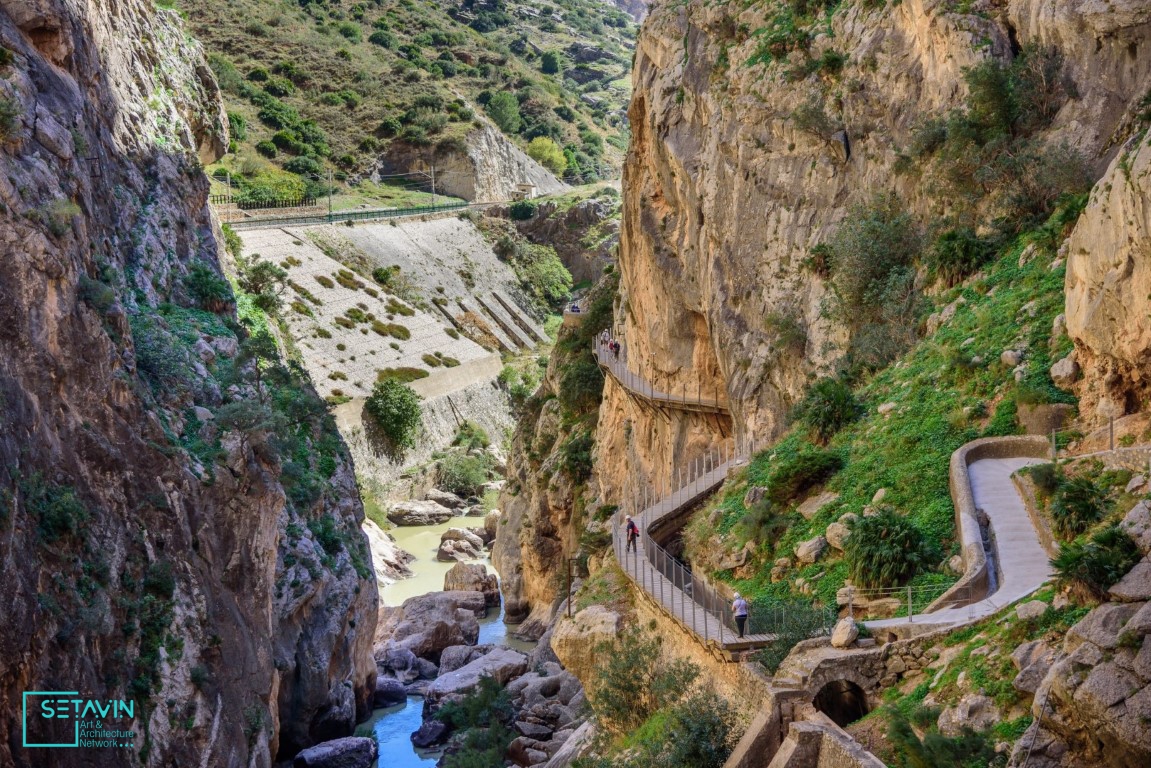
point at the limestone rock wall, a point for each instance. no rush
(486, 169)
(129, 568)
(724, 194)
(1109, 287)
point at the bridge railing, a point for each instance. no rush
(342, 216)
(683, 395)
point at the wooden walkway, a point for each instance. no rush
(696, 605)
(683, 401)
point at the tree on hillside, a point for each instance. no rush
(548, 154)
(395, 407)
(505, 111)
(551, 63)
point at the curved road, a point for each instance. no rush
(1020, 561)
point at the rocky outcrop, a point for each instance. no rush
(501, 664)
(155, 544)
(427, 624)
(1108, 288)
(488, 168)
(389, 562)
(584, 234)
(419, 513)
(725, 190)
(464, 577)
(351, 752)
(579, 642)
(1094, 699)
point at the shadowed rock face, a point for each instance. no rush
(129, 567)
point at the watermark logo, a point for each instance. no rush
(66, 719)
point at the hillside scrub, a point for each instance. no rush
(297, 80)
(395, 407)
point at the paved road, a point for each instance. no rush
(1021, 561)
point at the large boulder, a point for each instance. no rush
(445, 499)
(812, 505)
(473, 577)
(463, 534)
(577, 641)
(458, 550)
(389, 692)
(501, 664)
(352, 752)
(844, 633)
(430, 623)
(1137, 523)
(492, 523)
(418, 513)
(973, 711)
(457, 656)
(1135, 586)
(432, 732)
(836, 535)
(807, 552)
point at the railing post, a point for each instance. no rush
(910, 616)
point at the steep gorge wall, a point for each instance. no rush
(130, 568)
(1109, 288)
(724, 193)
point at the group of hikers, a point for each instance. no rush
(613, 345)
(739, 606)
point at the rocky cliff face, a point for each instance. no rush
(487, 168)
(173, 531)
(727, 187)
(1109, 285)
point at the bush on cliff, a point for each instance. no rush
(1091, 567)
(395, 407)
(828, 407)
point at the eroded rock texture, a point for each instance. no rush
(1109, 287)
(148, 549)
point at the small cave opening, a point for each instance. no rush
(843, 701)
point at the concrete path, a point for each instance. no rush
(1020, 561)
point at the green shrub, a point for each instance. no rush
(1077, 505)
(210, 291)
(581, 387)
(870, 252)
(630, 685)
(402, 375)
(471, 435)
(1046, 477)
(267, 148)
(57, 510)
(548, 154)
(796, 473)
(9, 115)
(791, 621)
(383, 38)
(884, 551)
(463, 474)
(350, 31)
(504, 109)
(551, 62)
(522, 210)
(98, 295)
(391, 329)
(828, 407)
(576, 457)
(395, 407)
(1094, 566)
(484, 716)
(958, 253)
(935, 750)
(763, 522)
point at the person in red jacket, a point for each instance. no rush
(632, 534)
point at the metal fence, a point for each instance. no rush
(247, 204)
(343, 216)
(712, 398)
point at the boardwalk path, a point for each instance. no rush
(1020, 561)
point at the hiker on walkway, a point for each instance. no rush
(615, 349)
(632, 534)
(604, 337)
(739, 608)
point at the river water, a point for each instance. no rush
(393, 726)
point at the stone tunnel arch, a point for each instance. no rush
(843, 701)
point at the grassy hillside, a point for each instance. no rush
(332, 85)
(952, 387)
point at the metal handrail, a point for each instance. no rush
(344, 216)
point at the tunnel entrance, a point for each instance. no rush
(841, 700)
